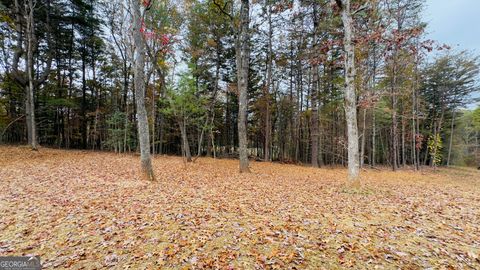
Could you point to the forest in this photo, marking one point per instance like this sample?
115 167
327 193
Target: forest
409 106
269 93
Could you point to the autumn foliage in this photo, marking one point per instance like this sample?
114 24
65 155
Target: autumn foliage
80 209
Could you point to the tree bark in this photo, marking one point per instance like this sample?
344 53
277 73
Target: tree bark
143 133
451 138
414 132
83 107
268 123
374 135
314 95
404 152
30 106
186 145
394 121
350 95
362 147
26 46
415 120
242 59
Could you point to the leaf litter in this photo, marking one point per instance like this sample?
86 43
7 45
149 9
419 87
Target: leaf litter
90 210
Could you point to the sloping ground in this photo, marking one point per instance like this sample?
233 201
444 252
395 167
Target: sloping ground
87 210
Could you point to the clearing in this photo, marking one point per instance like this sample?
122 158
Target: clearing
88 210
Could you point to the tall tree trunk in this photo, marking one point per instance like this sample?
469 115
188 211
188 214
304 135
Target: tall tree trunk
314 127
83 124
154 118
362 151
451 138
30 110
125 85
212 136
98 96
212 120
297 120
185 144
417 149
26 46
71 73
374 135
268 123
350 95
414 132
438 129
415 122
372 87
394 120
314 94
143 133
404 156
242 58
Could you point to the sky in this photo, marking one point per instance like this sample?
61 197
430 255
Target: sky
455 23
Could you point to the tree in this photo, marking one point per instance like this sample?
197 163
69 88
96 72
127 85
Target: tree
242 48
350 96
290 98
142 120
186 107
315 129
29 8
447 85
402 46
268 86
476 119
27 45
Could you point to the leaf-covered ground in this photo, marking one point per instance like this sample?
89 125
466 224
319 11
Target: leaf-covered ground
88 210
